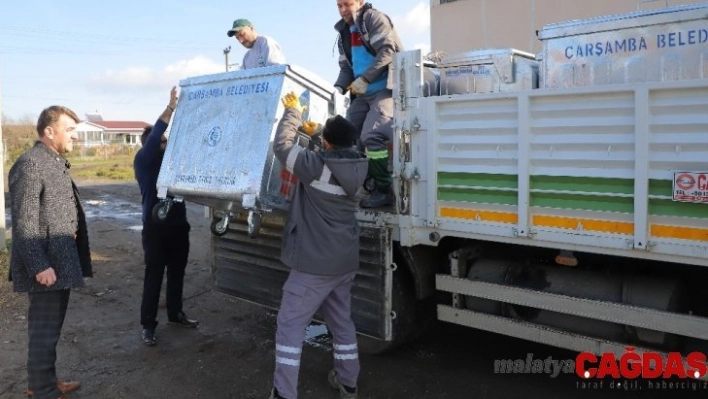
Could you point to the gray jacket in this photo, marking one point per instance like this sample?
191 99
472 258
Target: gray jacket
48 223
378 36
322 233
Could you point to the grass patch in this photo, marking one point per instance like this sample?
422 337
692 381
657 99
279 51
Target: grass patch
116 168
117 165
5 264
8 298
112 172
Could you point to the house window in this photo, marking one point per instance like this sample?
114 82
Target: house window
446 1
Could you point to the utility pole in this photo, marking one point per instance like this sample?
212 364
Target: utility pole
3 231
226 57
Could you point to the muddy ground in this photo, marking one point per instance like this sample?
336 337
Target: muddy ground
231 354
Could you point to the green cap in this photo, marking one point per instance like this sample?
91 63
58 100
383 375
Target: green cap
238 25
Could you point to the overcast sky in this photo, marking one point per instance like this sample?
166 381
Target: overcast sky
121 57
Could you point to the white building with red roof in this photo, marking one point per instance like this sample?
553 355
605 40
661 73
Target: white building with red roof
95 131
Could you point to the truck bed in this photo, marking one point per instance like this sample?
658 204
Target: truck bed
589 169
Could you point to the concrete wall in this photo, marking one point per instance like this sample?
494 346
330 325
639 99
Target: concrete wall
464 25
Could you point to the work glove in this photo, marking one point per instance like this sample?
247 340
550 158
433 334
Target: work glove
291 100
310 127
359 86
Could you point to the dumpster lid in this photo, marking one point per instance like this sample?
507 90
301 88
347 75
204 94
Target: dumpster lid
485 56
288 69
623 21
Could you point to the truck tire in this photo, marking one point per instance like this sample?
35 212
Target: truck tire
405 306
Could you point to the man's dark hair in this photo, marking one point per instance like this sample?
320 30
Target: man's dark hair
51 115
339 132
146 133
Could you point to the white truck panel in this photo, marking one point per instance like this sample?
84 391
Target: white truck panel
586 168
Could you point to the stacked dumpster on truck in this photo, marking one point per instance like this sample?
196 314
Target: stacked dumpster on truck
561 199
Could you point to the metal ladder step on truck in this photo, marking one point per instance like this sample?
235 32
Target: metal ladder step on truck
559 198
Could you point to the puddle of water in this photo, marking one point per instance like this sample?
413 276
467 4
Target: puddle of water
107 208
317 335
104 209
136 228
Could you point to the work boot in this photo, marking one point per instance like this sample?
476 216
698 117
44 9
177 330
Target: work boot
274 394
379 198
345 392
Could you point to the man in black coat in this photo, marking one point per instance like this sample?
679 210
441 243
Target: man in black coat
165 243
50 248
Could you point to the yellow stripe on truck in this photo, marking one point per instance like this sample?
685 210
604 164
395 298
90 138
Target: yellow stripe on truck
596 225
678 232
605 226
626 228
480 215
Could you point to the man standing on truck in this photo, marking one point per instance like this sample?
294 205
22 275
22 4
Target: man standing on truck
262 50
367 42
321 246
166 242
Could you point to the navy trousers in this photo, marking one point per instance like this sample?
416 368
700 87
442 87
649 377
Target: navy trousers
166 248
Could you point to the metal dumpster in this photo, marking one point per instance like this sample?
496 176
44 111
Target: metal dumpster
220 152
488 71
647 46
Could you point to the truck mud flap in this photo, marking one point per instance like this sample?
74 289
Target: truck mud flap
250 269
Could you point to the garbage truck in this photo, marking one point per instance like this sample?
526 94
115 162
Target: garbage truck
560 198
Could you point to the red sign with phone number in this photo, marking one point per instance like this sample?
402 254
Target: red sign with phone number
690 187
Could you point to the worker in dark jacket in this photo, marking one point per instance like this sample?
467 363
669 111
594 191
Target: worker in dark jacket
50 248
165 243
321 246
367 43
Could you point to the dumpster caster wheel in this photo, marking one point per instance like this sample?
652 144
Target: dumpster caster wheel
219 227
160 210
254 223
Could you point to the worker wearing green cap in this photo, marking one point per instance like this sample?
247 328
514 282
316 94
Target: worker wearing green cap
262 50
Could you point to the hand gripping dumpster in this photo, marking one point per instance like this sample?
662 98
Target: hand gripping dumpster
220 148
